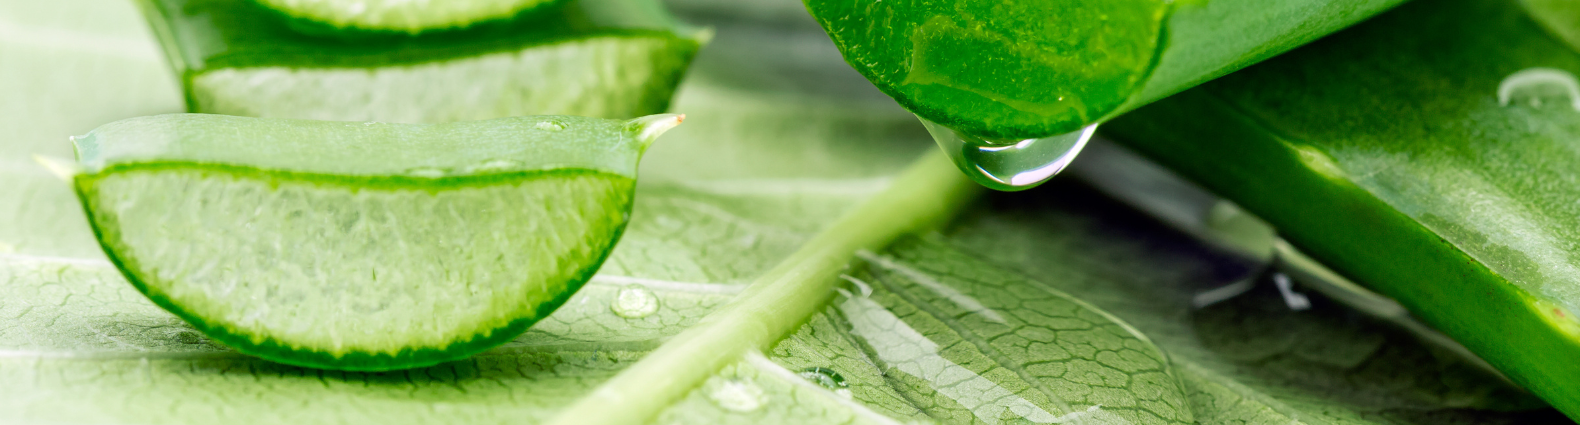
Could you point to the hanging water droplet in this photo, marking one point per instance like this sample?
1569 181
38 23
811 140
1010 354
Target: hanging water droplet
827 378
736 395
634 302
1538 87
1009 165
497 165
427 172
551 126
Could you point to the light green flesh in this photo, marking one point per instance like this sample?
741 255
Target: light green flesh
401 15
608 76
338 269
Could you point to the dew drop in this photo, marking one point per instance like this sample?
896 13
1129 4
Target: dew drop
551 126
1009 165
827 378
736 395
497 165
427 172
634 302
1539 87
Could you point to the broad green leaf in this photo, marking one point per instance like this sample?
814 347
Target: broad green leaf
1433 167
1034 69
1011 318
1247 360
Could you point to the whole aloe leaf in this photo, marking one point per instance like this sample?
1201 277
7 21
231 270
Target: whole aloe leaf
1017 70
724 200
1438 177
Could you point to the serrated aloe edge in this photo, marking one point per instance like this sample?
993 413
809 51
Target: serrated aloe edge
925 195
1042 68
1437 167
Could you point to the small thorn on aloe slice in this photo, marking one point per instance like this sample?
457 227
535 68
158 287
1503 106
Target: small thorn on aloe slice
64 169
648 128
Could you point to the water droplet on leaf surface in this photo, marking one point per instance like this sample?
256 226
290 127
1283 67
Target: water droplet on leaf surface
1009 165
1540 87
827 378
736 395
634 302
550 126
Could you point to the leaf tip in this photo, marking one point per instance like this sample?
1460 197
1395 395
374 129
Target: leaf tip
648 128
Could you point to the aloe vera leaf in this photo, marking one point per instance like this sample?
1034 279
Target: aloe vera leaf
611 59
1036 69
1399 165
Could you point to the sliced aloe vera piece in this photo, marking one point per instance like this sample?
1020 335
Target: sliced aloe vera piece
1437 168
597 58
402 15
1041 68
361 246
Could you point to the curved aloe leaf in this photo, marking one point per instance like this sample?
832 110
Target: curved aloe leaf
1040 68
1437 178
599 58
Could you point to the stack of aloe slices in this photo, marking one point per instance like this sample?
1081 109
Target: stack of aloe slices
598 58
1442 180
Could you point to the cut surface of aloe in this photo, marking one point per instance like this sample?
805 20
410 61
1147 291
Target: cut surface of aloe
361 246
402 15
1441 178
1040 68
598 58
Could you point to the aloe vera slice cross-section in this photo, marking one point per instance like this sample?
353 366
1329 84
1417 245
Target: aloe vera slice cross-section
1016 70
361 246
402 15
1437 168
597 58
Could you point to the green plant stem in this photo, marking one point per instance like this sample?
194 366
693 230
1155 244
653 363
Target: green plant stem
927 194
